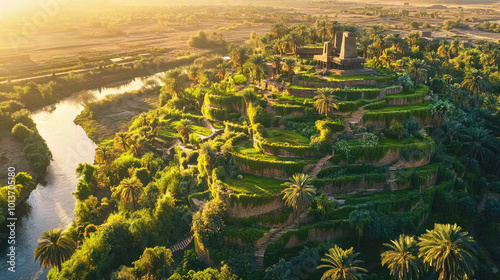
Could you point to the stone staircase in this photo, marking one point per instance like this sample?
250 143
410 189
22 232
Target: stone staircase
354 118
319 165
178 247
260 251
393 170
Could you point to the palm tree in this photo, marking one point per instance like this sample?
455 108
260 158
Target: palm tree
54 248
439 111
279 29
258 66
184 128
302 31
137 143
121 141
288 66
102 154
413 39
480 143
193 73
402 258
451 252
239 56
474 83
417 69
434 60
443 49
448 78
276 62
322 29
174 83
454 48
375 31
129 190
333 28
299 192
342 265
325 101
387 57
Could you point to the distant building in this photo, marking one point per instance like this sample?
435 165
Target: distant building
425 33
121 59
145 55
342 58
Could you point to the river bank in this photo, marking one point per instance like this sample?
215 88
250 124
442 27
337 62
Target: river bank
51 204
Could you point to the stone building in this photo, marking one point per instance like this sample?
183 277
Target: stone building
341 58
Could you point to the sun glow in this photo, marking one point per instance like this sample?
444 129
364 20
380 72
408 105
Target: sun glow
9 8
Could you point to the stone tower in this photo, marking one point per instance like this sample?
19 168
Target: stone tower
349 48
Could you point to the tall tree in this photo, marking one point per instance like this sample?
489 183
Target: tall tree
129 191
288 66
276 62
451 252
121 141
239 55
299 192
54 248
413 40
258 66
184 128
402 258
174 83
474 83
342 265
103 154
417 70
480 143
334 27
326 101
439 111
322 29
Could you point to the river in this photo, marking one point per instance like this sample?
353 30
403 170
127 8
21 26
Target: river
52 204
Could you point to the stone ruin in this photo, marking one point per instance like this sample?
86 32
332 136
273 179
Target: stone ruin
341 58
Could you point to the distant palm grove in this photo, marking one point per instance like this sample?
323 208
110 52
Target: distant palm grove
264 166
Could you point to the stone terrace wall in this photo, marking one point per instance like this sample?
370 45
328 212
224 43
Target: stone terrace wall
269 172
352 187
335 84
310 93
284 153
382 124
431 180
241 212
388 91
319 235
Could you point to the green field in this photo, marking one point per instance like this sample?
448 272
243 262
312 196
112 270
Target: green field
286 136
251 184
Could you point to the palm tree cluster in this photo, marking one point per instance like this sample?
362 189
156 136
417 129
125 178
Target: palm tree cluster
445 250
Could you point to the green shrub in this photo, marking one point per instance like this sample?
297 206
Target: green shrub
422 113
277 148
248 235
240 79
261 165
349 106
376 105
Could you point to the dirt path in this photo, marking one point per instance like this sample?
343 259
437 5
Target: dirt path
319 165
354 118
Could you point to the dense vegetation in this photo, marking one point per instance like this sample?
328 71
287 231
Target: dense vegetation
407 173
